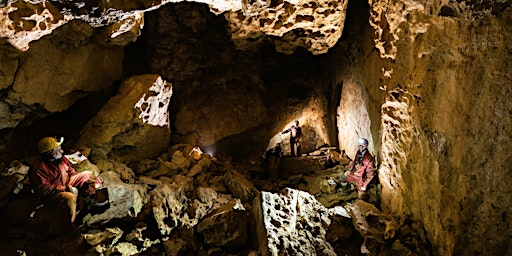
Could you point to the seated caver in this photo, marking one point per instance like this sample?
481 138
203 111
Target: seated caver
56 182
360 169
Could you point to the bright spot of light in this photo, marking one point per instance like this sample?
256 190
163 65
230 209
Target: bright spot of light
210 150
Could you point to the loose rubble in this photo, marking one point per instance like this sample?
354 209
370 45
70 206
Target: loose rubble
184 203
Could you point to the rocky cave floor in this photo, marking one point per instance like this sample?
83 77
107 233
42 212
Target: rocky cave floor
188 203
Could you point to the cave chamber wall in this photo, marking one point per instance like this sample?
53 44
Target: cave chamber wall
228 100
437 89
430 93
55 86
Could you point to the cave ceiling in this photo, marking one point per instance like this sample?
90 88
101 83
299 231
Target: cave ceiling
315 25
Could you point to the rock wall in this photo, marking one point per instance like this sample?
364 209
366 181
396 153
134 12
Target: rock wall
223 93
226 97
314 25
429 82
438 87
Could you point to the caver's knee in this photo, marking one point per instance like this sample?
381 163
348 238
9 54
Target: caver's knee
67 196
67 199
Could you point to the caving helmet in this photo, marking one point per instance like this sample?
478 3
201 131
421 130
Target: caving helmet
48 143
363 141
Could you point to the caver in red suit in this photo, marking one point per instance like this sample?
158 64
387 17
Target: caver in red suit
55 181
361 168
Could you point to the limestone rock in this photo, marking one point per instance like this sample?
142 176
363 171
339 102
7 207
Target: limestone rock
124 172
7 117
180 160
215 182
195 170
240 186
175 247
13 179
103 240
149 181
203 164
314 25
86 165
377 228
137 233
361 212
27 21
295 223
341 233
165 168
9 67
173 209
185 183
124 200
205 161
225 227
124 31
147 165
125 248
206 194
421 80
124 132
68 71
168 206
7 184
303 165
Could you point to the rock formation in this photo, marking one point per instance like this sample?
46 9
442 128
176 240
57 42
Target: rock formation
133 125
426 82
217 210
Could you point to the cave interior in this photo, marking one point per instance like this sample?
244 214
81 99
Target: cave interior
409 77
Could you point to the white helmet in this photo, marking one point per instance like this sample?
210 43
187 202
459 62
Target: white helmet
362 141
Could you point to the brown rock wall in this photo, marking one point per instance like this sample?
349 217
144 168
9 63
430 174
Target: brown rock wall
444 124
24 22
428 84
58 78
223 94
314 25
57 71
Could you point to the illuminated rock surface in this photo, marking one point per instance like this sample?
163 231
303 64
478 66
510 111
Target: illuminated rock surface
427 82
133 125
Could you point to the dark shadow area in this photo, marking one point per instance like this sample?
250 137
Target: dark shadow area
67 124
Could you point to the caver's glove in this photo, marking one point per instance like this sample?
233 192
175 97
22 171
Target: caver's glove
92 185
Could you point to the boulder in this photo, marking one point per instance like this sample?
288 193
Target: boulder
124 200
227 226
295 224
133 125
